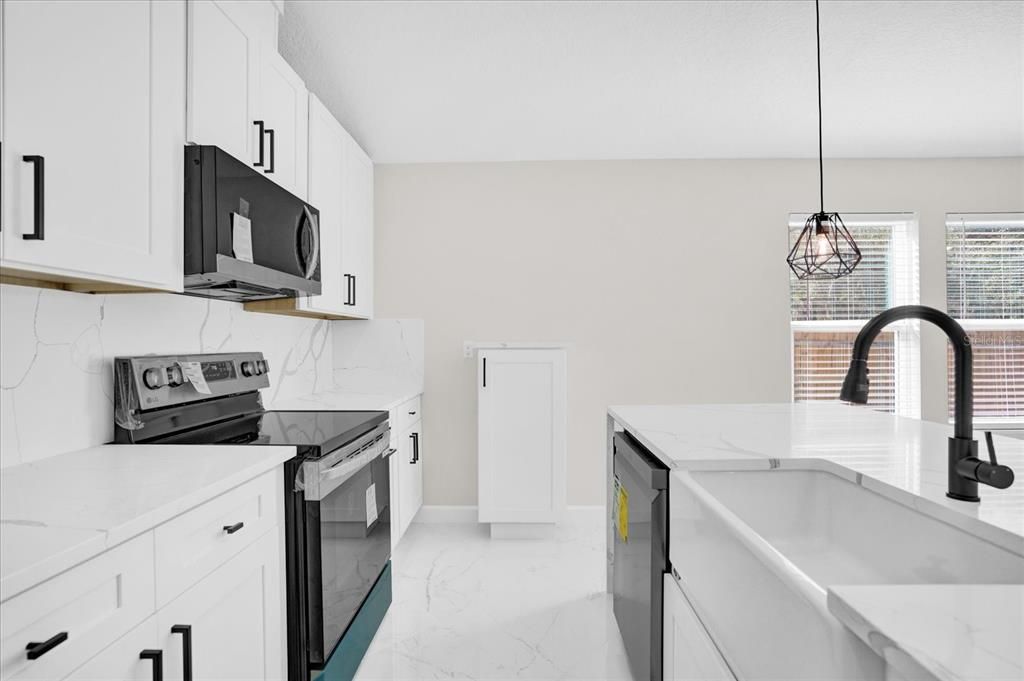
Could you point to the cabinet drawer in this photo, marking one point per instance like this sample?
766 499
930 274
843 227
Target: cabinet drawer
195 543
408 413
94 603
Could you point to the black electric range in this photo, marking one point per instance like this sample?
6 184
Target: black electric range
336 489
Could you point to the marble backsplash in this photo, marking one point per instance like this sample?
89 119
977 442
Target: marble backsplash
57 350
379 356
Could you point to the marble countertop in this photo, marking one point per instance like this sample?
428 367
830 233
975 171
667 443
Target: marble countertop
900 458
903 459
60 511
938 631
342 400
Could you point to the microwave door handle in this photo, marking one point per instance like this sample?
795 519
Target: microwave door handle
314 257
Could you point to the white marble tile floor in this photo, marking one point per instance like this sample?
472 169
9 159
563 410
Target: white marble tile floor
468 607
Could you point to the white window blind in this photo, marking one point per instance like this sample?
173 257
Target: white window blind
985 292
827 314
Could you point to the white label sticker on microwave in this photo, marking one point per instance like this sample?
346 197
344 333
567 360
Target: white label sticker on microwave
241 237
371 505
193 372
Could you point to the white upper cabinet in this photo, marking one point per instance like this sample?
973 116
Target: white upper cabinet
242 96
284 107
340 186
93 125
326 162
357 231
223 78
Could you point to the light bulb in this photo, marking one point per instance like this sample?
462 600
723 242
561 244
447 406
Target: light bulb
823 249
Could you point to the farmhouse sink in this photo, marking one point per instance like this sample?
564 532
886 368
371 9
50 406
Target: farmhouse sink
756 551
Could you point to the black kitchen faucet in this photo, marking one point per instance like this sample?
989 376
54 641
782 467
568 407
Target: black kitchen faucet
966 470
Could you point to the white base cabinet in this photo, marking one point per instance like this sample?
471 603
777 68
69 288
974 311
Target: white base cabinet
522 436
688 654
232 610
93 130
236 619
407 466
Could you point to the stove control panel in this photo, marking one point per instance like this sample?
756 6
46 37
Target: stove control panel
166 380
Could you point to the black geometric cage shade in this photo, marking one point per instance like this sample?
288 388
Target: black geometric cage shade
824 250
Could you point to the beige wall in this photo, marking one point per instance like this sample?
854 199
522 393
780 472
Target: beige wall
668 277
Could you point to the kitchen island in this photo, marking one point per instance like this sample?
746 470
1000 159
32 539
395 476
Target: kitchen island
828 464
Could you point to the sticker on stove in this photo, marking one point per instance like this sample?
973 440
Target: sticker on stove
193 373
371 505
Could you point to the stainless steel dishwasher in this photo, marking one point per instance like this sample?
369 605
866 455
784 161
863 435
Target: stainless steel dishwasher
640 518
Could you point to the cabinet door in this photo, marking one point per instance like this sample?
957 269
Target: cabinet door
357 231
410 484
689 653
223 79
103 110
121 660
236 615
522 412
284 106
326 161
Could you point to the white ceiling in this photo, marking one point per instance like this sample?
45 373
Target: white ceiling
499 81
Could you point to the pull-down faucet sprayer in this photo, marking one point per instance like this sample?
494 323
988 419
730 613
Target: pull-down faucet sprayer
966 470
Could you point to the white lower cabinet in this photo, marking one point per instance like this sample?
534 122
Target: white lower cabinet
67 619
410 475
236 620
689 653
93 622
406 466
124 660
522 435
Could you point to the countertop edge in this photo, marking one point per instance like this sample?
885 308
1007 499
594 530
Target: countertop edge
13 584
912 664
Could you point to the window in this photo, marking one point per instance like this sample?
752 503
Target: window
985 293
826 316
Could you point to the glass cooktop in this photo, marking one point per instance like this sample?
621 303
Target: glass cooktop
323 431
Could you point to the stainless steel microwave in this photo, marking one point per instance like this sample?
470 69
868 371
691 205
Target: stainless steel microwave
246 237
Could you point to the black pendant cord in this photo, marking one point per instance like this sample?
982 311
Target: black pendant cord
821 162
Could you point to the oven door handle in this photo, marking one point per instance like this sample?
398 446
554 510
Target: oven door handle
331 479
387 454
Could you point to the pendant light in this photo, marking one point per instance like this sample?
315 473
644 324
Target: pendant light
824 249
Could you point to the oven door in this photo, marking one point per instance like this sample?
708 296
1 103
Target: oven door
348 542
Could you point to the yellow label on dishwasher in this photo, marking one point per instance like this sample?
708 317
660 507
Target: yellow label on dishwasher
622 506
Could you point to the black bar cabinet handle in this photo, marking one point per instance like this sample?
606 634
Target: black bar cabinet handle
157 656
415 447
349 290
354 296
485 372
38 197
259 124
186 649
270 134
37 649
231 529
